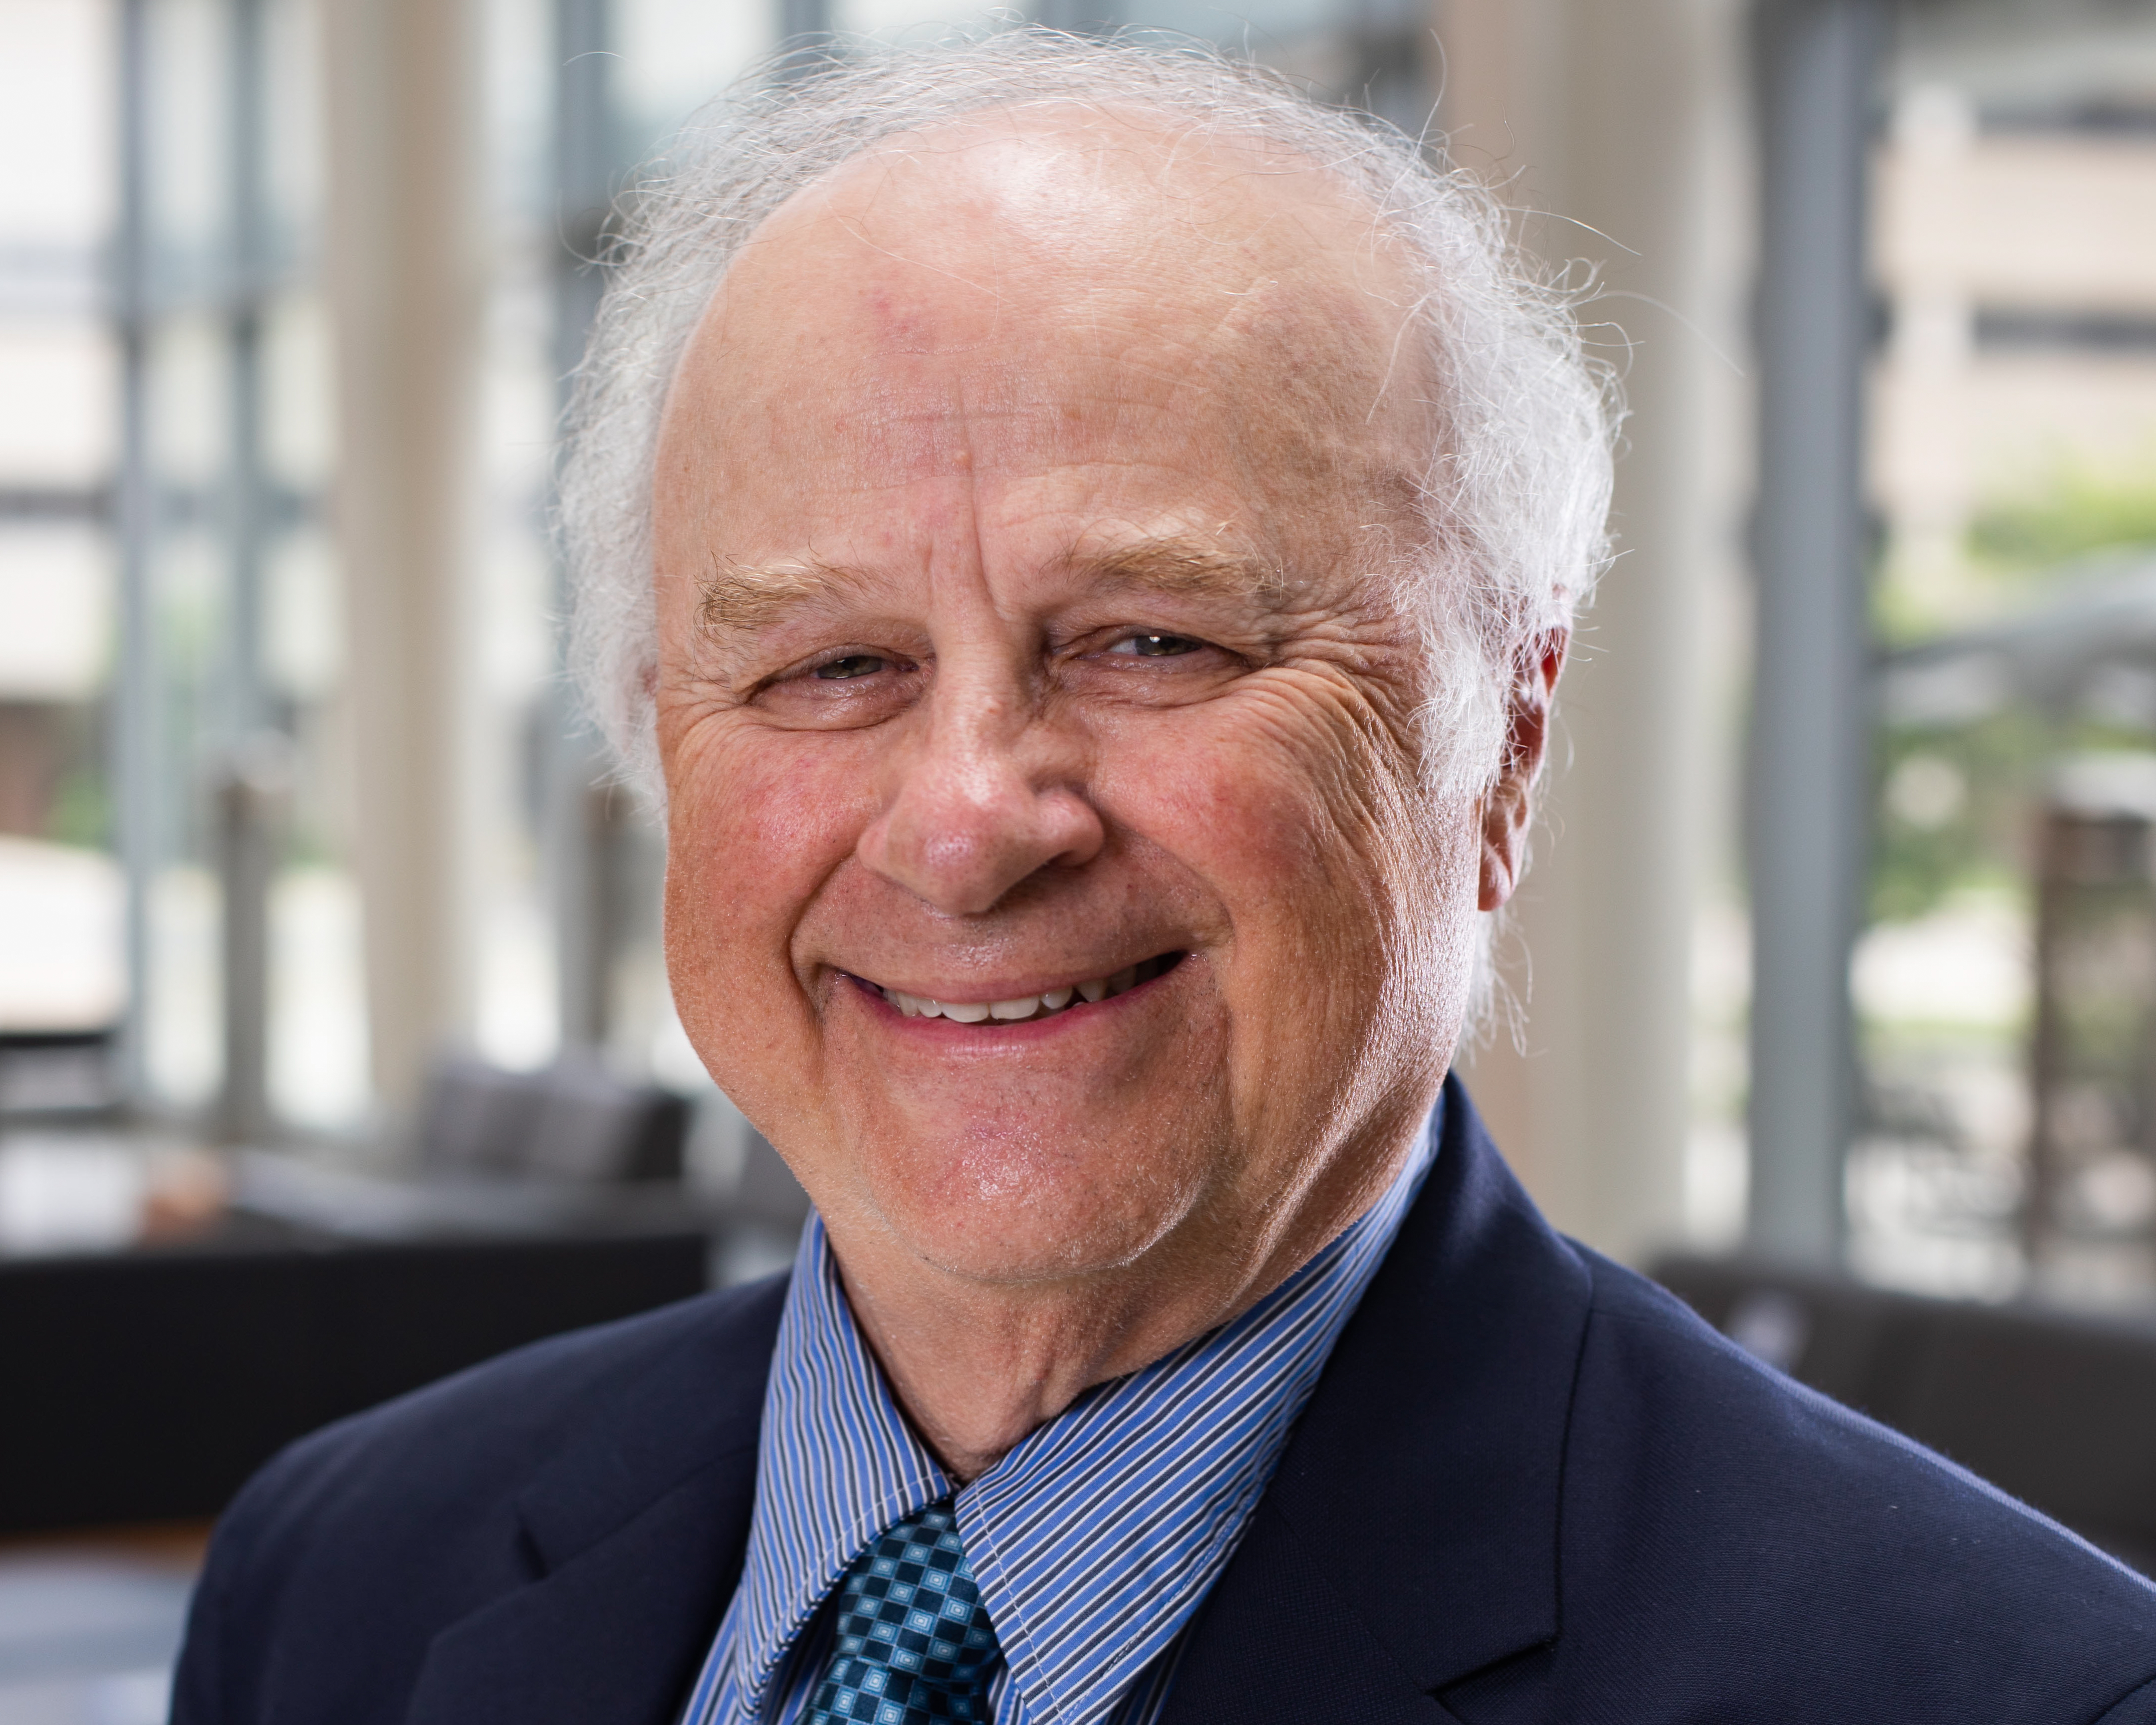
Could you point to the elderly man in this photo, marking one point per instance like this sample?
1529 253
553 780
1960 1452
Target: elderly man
1086 540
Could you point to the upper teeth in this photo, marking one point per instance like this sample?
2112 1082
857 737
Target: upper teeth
1026 1006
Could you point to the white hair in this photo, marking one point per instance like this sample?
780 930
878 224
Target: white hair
1516 490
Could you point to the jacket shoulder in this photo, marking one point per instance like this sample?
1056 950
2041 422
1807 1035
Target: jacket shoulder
1718 1516
412 1516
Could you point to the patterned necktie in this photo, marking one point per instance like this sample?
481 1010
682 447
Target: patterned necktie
914 1642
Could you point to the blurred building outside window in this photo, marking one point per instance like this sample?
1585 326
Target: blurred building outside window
2012 465
60 895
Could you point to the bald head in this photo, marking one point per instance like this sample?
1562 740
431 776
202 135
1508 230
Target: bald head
955 300
1083 226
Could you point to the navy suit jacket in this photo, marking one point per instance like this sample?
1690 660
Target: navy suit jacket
1529 1486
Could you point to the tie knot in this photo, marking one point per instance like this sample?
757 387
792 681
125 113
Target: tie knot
913 1643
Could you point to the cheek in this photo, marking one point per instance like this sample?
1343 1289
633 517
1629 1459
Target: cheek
756 822
1290 816
1334 976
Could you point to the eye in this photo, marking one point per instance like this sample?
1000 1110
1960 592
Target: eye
853 664
1153 646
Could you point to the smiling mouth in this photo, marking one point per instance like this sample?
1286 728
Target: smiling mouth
1028 1006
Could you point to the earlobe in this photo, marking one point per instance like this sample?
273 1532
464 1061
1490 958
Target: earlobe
1497 885
1509 804
1504 829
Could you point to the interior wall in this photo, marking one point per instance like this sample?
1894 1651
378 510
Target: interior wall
1621 125
407 286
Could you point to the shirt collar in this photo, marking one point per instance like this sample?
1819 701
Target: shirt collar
1096 1539
837 1464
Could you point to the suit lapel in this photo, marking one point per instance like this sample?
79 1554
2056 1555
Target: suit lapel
1410 1537
637 1532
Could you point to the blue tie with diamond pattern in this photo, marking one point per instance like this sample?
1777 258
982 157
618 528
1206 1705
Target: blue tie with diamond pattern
913 1642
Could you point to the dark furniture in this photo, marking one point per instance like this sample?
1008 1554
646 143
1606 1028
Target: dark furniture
571 1121
2057 1409
146 1385
56 1075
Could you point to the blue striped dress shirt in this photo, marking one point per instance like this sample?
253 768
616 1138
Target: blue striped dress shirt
1093 1541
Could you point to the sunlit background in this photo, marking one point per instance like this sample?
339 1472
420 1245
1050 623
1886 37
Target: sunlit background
178 613
302 844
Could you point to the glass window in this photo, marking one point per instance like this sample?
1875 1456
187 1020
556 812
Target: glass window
60 893
227 579
2012 467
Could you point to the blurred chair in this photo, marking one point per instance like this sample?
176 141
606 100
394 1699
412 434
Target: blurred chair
56 1074
2091 1196
572 1121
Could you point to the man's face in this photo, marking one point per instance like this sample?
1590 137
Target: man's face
1025 508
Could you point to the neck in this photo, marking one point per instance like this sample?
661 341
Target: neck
977 1366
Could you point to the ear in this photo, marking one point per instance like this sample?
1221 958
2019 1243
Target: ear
1508 805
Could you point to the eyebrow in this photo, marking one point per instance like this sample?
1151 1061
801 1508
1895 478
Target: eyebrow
1185 567
745 598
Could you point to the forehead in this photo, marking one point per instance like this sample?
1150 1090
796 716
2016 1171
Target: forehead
1073 299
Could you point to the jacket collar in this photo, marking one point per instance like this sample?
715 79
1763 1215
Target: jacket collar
1410 1537
635 1535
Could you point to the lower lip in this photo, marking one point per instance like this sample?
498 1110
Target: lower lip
991 1031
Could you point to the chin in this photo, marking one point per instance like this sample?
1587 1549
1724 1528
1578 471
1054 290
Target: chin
1023 1205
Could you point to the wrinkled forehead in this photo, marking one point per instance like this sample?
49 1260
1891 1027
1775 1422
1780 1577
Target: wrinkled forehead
1042 240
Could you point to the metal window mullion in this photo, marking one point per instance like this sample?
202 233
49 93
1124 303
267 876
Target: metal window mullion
246 277
1811 712
803 22
135 691
586 164
245 798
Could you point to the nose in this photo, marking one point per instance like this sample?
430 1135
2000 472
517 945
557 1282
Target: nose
989 798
